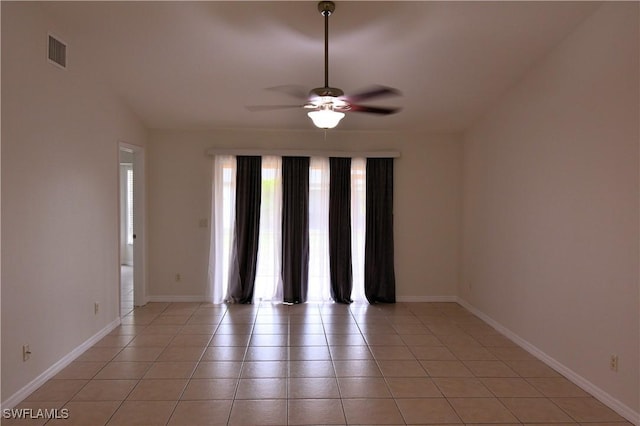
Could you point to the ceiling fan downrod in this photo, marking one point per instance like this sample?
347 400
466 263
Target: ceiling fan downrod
326 8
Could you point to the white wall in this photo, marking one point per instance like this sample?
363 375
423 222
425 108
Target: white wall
60 133
550 211
427 204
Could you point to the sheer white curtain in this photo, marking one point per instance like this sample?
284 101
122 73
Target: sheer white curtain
268 285
358 225
319 273
223 201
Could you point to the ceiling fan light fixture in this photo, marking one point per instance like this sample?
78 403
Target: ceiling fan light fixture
325 118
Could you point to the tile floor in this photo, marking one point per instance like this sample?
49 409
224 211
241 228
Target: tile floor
126 289
408 363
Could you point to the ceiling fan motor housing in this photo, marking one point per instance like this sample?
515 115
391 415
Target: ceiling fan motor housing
326 91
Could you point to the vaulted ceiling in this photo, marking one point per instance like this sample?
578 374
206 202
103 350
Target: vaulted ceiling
197 65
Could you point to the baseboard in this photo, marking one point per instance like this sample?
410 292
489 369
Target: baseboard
27 390
176 299
453 299
604 397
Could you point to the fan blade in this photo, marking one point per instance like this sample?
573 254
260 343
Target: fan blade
374 92
374 110
293 90
254 108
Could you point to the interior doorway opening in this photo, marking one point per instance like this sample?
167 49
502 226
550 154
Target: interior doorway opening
127 235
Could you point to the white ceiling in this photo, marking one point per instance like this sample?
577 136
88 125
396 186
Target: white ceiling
196 65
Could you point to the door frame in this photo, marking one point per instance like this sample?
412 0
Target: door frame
139 224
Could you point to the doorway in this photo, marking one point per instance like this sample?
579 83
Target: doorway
131 228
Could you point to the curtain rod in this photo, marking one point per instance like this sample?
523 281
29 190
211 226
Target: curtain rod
302 153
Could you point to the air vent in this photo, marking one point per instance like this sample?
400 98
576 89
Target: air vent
57 52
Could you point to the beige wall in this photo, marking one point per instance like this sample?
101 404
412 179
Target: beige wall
551 197
60 134
427 203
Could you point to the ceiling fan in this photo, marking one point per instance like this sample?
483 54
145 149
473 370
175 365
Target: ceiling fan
327 104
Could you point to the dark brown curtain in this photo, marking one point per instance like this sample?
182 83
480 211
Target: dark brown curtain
295 228
379 273
340 229
244 249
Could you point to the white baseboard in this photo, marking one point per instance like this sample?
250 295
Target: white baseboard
27 390
604 397
453 299
176 299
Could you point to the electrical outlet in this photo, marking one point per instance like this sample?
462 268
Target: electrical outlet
203 223
613 363
96 308
26 353
178 278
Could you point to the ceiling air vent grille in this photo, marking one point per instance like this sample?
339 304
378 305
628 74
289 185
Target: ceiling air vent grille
57 52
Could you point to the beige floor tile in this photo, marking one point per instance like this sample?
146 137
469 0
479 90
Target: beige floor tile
199 389
401 368
311 369
346 340
272 388
345 353
229 339
151 340
217 370
481 410
123 370
181 353
511 353
57 390
105 390
257 369
446 369
118 341
171 320
372 411
383 339
199 340
259 412
94 353
490 369
203 329
309 353
432 353
532 368
427 411
356 368
587 410
171 370
87 413
412 387
201 413
80 370
462 387
313 387
510 386
267 353
391 353
223 353
536 410
138 354
160 329
556 387
158 390
142 413
363 387
315 411
472 353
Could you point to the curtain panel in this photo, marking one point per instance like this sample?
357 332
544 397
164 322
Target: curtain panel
244 249
340 230
379 272
295 228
